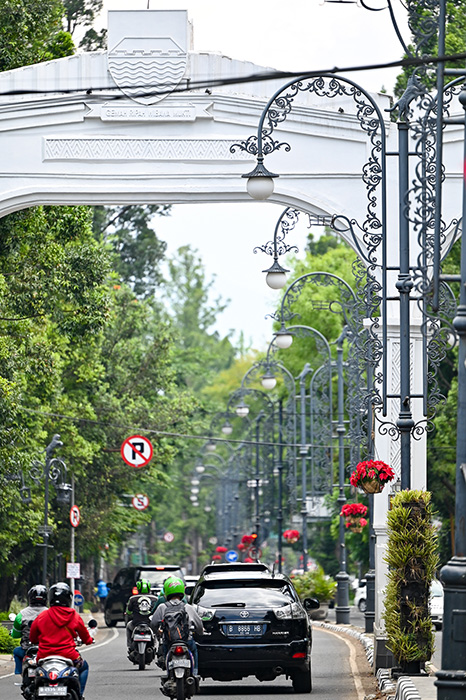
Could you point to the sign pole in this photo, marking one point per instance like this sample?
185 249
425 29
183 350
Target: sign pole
72 539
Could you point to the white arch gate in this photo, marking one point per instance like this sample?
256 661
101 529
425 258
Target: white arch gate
89 129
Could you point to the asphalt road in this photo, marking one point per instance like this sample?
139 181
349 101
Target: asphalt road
339 670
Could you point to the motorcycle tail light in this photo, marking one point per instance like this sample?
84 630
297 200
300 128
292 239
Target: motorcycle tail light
178 650
53 675
134 591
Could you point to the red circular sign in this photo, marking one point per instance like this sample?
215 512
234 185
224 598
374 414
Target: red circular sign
75 516
140 501
137 451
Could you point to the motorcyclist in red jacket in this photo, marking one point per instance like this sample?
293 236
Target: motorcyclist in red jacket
55 630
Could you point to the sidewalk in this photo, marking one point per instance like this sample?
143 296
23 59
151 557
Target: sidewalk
406 687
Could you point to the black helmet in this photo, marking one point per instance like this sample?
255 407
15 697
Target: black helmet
60 594
37 595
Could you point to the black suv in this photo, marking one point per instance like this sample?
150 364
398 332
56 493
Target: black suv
124 586
255 625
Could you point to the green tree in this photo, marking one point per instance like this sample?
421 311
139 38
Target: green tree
138 252
83 13
188 300
31 32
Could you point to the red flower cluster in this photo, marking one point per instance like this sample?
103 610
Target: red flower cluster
248 560
362 522
247 539
353 509
291 535
216 557
221 550
371 469
241 546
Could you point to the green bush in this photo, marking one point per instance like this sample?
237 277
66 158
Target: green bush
315 584
7 643
412 560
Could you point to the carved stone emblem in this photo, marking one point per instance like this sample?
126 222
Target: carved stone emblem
147 54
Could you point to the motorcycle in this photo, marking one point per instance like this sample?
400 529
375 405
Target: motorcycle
29 671
142 646
181 682
53 676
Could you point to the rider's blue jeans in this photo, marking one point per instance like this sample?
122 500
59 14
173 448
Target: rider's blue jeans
18 654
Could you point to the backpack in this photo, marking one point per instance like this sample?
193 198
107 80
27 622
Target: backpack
175 623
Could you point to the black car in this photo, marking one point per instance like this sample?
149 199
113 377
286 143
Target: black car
124 586
255 625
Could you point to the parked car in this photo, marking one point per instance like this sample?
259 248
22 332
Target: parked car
255 625
435 602
360 595
124 586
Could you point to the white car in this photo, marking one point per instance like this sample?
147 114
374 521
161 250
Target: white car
435 602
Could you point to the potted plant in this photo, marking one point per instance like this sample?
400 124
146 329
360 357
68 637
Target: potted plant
316 584
371 476
412 560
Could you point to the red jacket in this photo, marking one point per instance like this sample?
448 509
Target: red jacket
55 631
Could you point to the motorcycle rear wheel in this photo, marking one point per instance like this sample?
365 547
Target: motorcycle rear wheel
180 689
142 661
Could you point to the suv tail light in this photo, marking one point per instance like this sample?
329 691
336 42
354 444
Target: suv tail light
290 612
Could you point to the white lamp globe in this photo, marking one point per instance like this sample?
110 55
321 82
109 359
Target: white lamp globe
195 504
242 410
195 490
211 446
227 428
195 482
275 280
200 468
207 509
260 187
268 381
283 340
193 498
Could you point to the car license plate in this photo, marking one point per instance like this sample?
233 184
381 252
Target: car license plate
52 690
186 663
243 630
141 637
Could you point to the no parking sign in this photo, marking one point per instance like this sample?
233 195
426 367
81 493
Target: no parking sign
137 451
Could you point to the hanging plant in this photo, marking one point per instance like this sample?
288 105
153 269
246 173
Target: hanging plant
221 550
412 560
353 514
291 536
216 557
241 547
371 476
247 539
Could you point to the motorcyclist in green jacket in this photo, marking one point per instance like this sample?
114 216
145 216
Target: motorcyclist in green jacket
37 598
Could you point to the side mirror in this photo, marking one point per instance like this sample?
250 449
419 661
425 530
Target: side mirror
311 603
92 624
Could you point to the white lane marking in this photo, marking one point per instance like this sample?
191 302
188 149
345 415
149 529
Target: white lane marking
93 646
100 644
352 661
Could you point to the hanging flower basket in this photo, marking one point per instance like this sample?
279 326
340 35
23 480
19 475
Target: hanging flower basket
240 547
371 476
291 536
216 557
221 550
247 540
355 524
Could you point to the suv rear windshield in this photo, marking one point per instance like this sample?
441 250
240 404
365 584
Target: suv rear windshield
244 595
158 577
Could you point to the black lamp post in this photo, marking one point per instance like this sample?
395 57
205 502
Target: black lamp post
50 471
342 609
451 679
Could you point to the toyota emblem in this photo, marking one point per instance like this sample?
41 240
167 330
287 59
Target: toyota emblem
244 613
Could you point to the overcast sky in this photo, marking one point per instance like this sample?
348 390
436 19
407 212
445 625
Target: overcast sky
297 35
